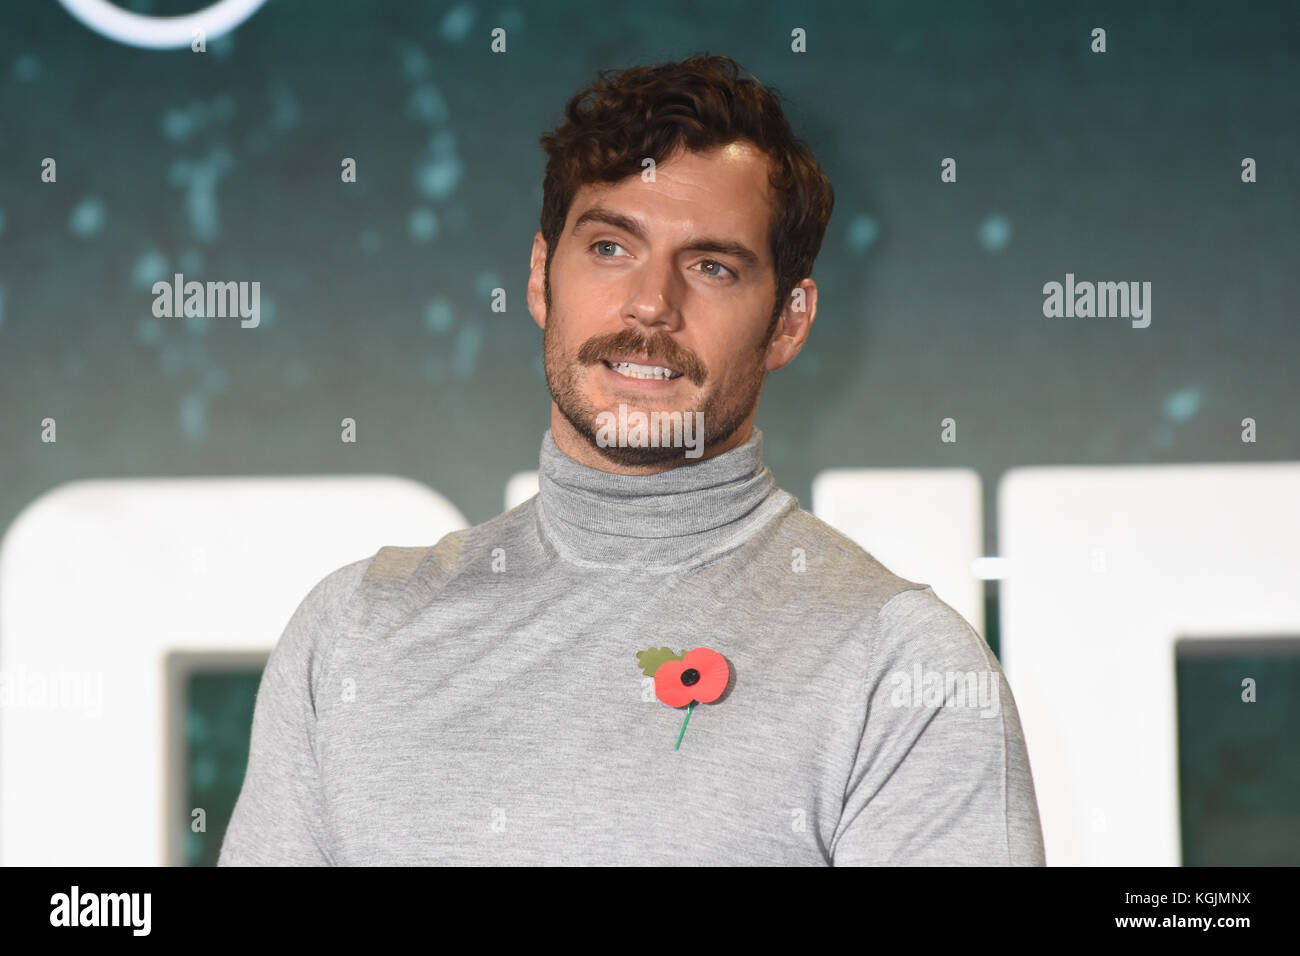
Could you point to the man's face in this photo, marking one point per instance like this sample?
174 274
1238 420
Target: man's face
675 273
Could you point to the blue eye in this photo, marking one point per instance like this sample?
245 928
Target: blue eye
724 274
716 275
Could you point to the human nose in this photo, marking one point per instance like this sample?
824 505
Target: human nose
653 299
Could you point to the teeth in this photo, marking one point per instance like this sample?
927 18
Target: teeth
632 370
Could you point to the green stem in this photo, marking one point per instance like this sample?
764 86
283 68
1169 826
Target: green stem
684 723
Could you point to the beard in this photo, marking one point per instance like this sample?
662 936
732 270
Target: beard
724 411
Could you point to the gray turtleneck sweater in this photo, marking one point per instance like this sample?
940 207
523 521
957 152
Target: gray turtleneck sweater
481 701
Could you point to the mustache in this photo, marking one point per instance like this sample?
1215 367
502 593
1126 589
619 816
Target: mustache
659 348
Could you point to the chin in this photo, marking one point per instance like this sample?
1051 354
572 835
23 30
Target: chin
634 457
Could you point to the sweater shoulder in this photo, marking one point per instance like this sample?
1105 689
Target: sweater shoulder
399 578
905 618
835 567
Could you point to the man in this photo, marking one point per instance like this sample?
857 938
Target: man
492 699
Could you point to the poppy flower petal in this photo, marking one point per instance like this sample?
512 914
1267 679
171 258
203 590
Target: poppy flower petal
669 687
714 673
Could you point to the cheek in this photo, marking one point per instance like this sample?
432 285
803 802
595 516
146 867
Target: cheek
739 357
583 285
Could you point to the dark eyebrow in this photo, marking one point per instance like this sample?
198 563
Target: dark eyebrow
726 247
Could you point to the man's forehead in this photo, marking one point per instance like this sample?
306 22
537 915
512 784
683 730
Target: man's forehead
740 207
739 167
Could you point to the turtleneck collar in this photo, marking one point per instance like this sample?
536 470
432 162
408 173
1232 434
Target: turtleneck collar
670 521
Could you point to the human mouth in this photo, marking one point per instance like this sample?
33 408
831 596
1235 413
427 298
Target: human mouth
656 373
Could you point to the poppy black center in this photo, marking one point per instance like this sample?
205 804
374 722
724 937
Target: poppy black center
690 676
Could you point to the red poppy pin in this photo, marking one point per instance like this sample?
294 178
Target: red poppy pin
685 679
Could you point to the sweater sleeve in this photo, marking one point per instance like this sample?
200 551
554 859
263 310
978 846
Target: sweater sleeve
941 776
278 818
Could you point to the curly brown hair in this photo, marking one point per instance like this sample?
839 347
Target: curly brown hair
700 103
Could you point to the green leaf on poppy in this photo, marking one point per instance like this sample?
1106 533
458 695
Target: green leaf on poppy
651 658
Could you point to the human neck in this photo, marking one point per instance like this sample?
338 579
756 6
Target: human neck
666 521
